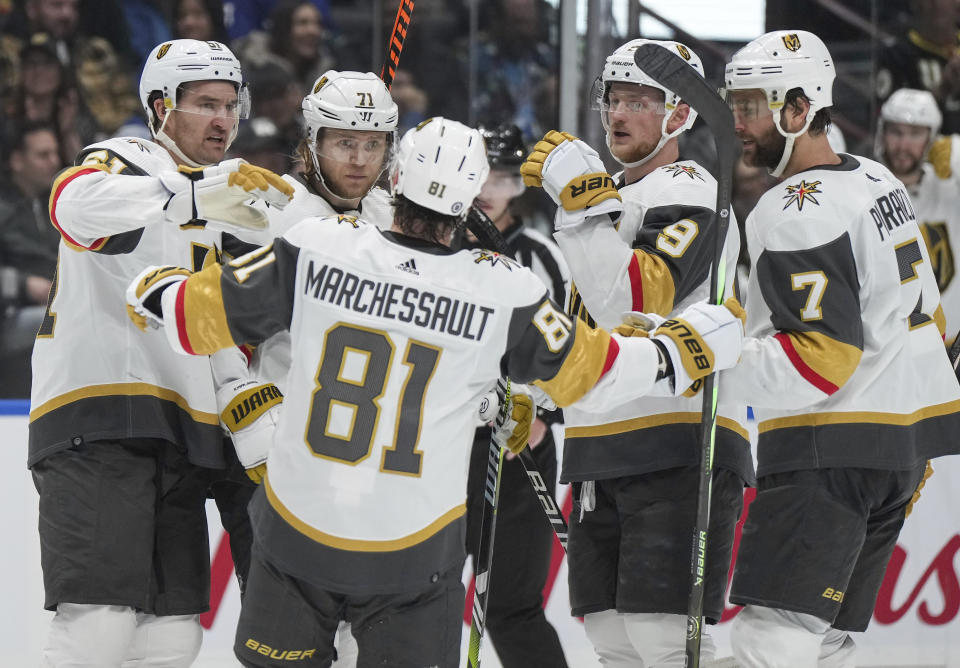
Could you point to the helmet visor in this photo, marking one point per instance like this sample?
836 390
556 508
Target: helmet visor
234 107
747 105
355 147
627 100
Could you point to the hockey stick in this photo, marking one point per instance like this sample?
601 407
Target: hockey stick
487 234
675 74
397 36
482 566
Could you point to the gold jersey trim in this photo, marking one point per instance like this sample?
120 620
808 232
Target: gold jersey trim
353 544
123 390
204 315
581 368
648 422
860 417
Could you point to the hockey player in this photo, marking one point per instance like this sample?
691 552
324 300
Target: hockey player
124 435
635 467
906 132
515 621
350 122
395 337
844 365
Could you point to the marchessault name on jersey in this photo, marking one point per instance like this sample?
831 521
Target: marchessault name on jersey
395 301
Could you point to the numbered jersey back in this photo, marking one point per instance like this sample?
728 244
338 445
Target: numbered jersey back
392 346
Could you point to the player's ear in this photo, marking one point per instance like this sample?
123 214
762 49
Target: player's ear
159 109
795 114
678 117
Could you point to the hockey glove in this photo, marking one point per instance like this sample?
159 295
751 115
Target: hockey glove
511 428
249 410
702 339
223 195
574 176
143 294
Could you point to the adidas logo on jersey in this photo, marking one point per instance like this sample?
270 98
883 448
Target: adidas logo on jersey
410 266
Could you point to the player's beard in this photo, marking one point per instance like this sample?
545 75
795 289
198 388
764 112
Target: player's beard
634 153
902 163
769 149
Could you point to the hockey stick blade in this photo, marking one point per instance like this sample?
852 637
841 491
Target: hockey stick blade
398 35
675 74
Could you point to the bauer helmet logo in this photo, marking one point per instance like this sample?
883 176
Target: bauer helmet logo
163 50
791 41
683 51
320 84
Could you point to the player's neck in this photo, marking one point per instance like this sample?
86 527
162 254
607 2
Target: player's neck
810 151
667 154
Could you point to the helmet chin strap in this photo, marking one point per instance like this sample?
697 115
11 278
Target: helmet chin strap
790 137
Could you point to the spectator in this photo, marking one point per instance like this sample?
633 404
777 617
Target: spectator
28 249
926 57
147 24
199 19
296 41
46 92
245 16
276 96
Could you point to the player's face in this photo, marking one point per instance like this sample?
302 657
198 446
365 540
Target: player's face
634 119
753 122
351 160
903 146
204 120
501 186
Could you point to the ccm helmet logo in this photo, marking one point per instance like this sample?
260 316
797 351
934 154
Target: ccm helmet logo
791 41
163 50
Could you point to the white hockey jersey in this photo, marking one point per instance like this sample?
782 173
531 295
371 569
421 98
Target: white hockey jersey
95 375
937 203
394 341
271 360
844 362
656 259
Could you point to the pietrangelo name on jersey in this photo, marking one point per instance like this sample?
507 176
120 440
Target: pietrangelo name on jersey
892 210
394 301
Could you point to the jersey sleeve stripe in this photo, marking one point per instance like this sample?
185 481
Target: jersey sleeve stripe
202 313
612 353
66 177
583 366
636 283
653 287
181 322
794 355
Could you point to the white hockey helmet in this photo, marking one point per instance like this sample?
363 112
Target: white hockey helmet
349 101
621 67
441 165
910 107
778 62
181 61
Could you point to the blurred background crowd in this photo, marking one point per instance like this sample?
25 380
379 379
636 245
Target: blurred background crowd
69 71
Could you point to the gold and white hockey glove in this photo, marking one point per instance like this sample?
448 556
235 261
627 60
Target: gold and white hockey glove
575 178
223 195
511 425
144 294
702 339
249 410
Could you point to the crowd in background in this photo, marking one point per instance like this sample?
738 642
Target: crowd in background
68 73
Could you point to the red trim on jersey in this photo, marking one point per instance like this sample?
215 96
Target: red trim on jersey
636 282
809 374
612 351
98 243
181 320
